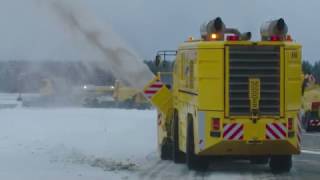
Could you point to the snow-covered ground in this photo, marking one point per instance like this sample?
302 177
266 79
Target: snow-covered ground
84 144
67 144
106 144
8 101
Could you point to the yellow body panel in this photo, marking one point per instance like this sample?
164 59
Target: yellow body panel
293 71
210 76
200 90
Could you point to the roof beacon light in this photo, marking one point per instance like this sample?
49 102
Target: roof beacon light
214 36
233 38
289 38
275 38
190 39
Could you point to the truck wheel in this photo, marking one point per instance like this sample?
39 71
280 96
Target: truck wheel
177 155
259 160
280 163
194 162
166 150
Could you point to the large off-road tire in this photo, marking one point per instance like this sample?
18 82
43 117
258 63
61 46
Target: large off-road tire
177 155
193 161
166 149
280 163
259 160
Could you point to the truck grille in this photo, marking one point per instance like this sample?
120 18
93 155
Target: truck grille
261 62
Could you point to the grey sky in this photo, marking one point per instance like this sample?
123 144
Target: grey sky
27 31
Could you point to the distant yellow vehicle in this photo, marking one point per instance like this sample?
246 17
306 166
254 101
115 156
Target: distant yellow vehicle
129 97
231 97
311 105
117 95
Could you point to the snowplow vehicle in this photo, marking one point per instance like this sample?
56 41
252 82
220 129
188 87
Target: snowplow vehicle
310 104
115 96
231 97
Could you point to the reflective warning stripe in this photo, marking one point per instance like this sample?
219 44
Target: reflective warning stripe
148 92
233 131
153 89
276 131
157 85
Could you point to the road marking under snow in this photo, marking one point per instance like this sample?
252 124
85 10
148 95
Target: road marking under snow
311 152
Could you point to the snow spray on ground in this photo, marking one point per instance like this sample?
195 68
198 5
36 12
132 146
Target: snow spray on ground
116 57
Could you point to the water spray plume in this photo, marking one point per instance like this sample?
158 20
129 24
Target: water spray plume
116 56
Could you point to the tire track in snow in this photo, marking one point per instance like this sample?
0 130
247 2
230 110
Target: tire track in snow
199 175
189 174
167 170
153 168
161 171
157 169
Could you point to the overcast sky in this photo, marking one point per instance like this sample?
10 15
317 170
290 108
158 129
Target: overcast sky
28 32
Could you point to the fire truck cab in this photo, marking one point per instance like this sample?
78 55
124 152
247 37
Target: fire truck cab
231 97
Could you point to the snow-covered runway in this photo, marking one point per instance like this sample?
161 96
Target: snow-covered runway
107 144
74 143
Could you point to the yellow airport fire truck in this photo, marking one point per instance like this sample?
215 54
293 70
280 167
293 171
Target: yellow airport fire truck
230 96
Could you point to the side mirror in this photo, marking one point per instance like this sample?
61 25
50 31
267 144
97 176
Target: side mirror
157 60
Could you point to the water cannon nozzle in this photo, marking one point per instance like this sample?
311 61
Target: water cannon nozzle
218 24
281 24
276 28
246 36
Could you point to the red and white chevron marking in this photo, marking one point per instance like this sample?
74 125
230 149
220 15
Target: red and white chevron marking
314 123
153 89
276 131
233 131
